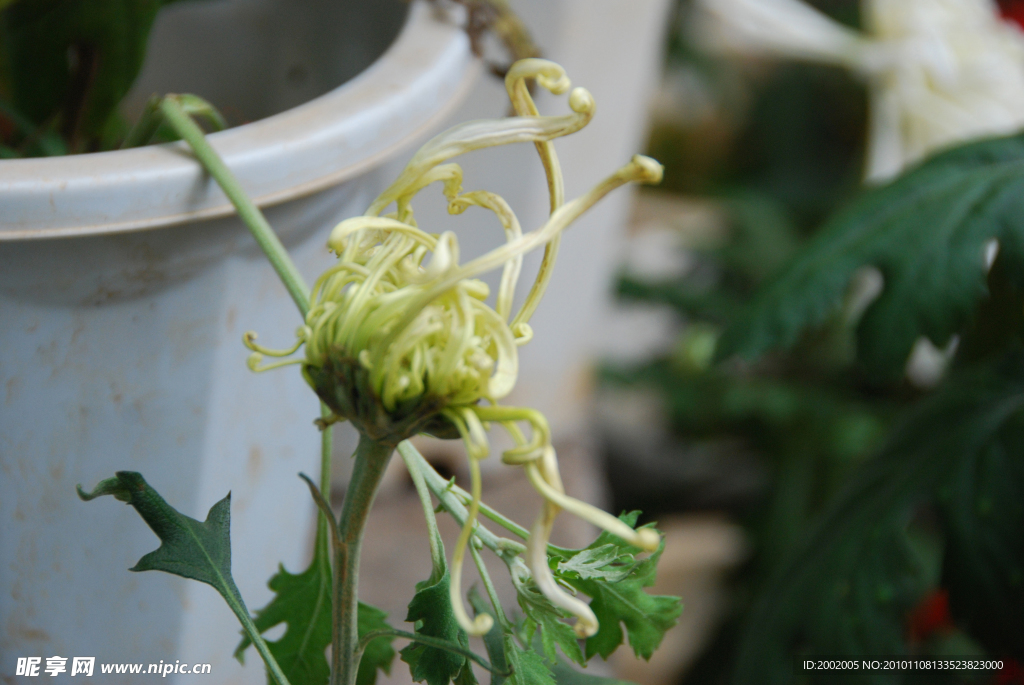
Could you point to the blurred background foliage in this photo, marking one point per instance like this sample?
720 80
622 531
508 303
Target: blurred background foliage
860 497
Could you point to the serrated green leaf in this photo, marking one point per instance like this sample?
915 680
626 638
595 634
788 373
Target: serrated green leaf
926 232
303 602
528 668
188 548
542 615
646 617
848 587
606 562
431 611
624 601
379 653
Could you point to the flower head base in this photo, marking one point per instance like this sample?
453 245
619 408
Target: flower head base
941 72
400 340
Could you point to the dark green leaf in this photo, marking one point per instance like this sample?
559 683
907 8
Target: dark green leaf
74 60
188 548
494 640
303 602
466 676
379 653
567 675
982 508
926 232
847 588
528 668
431 611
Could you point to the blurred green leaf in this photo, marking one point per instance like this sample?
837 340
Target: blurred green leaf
927 233
848 587
528 668
70 62
982 507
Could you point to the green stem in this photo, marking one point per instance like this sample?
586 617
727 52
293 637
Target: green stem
436 549
440 489
431 642
248 212
453 499
371 459
489 587
254 634
325 482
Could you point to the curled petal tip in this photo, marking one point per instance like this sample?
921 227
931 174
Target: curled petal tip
649 169
648 539
481 625
585 628
554 86
581 101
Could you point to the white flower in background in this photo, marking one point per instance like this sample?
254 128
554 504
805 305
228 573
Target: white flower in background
941 72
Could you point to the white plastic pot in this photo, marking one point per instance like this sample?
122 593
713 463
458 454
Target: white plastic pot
125 288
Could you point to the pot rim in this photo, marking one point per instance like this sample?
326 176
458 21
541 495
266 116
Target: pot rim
403 95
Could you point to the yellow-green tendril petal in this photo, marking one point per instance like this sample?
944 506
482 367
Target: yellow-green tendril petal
400 339
258 352
537 559
645 538
475 437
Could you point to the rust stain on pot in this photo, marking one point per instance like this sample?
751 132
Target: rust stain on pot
13 385
22 633
255 463
57 471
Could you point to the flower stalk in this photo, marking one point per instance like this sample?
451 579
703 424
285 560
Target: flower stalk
398 338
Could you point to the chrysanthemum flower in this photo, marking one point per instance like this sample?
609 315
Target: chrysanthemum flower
400 339
941 72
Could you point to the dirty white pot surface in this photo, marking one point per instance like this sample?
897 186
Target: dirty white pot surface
125 287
